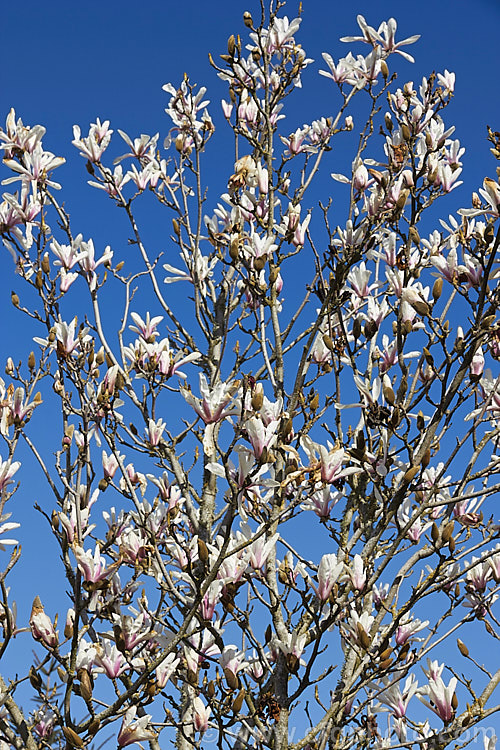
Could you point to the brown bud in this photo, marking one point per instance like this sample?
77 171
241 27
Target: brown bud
447 532
238 701
437 289
454 702
420 421
260 262
286 426
489 233
231 679
407 326
386 653
176 227
314 402
404 651
85 685
371 329
257 398
435 533
414 235
452 545
35 679
384 69
328 342
388 122
293 663
363 636
31 361
401 201
389 395
247 19
211 689
119 266
426 459
46 263
202 551
54 520
356 328
103 485
231 45
487 321
14 299
405 132
94 727
411 474
72 738
462 648
385 663
273 275
39 280
268 634
192 677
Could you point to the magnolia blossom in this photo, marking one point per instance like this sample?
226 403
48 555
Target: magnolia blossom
42 628
261 437
329 571
260 549
216 402
133 730
88 264
44 721
357 573
407 628
397 699
110 660
7 470
440 697
201 715
233 659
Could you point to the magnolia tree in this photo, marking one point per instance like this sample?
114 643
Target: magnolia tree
272 480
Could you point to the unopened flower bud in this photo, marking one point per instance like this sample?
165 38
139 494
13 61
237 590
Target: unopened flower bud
247 19
437 289
257 397
9 366
476 200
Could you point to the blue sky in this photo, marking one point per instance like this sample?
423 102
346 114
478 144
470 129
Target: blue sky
65 63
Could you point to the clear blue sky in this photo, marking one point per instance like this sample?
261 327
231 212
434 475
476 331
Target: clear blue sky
65 63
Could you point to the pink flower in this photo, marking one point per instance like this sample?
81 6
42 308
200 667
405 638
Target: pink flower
111 660
211 599
7 471
407 628
261 437
440 697
233 659
41 626
357 573
133 730
200 715
216 402
166 669
328 572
